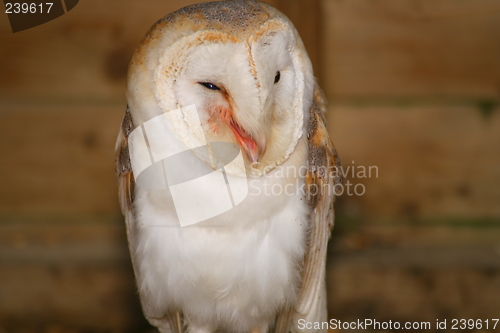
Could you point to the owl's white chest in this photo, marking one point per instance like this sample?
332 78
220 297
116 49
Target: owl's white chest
237 273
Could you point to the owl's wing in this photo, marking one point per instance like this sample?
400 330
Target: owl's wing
323 174
171 322
126 183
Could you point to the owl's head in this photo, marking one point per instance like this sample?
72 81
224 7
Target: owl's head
241 63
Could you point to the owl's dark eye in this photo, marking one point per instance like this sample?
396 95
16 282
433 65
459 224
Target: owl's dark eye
277 77
209 85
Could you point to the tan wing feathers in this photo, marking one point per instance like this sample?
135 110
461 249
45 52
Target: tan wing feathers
126 182
323 174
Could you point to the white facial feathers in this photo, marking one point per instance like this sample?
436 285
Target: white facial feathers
266 118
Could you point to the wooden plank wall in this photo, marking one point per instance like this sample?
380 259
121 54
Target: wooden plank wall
421 49
413 89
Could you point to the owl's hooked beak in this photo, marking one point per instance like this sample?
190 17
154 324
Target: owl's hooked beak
253 148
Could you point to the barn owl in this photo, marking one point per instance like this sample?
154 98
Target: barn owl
232 72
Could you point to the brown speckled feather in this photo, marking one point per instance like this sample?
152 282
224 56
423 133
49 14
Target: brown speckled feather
123 166
323 174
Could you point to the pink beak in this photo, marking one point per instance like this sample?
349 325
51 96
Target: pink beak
250 146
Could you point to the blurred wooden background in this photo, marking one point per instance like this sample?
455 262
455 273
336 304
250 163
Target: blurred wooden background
413 89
